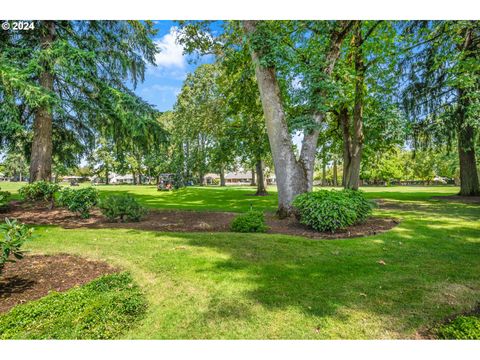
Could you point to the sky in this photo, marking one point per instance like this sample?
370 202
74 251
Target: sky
163 82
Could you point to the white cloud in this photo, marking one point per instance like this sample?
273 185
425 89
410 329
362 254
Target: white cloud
171 53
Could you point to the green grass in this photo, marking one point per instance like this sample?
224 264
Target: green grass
239 198
268 286
102 309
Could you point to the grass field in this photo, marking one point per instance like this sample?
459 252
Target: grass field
266 286
239 198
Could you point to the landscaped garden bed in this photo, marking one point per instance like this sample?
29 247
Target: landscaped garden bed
36 276
187 221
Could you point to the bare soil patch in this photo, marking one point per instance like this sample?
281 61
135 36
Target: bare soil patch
187 221
35 276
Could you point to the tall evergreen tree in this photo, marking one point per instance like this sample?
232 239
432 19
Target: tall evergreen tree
73 77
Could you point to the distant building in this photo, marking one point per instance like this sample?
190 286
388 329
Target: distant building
236 178
121 179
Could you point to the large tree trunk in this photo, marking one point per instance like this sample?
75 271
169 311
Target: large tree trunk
107 173
469 183
201 179
41 156
293 177
253 183
222 176
353 143
261 190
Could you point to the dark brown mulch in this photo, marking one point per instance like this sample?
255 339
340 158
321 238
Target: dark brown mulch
187 221
458 198
36 275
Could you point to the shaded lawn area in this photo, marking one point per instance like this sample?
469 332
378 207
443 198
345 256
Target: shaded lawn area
262 286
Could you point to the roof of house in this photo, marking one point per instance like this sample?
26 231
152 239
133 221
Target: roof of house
124 177
238 175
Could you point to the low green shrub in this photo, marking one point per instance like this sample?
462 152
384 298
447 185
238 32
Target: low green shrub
101 309
79 200
14 236
122 207
461 328
250 222
4 195
39 190
326 210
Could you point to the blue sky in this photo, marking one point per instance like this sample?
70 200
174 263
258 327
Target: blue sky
163 82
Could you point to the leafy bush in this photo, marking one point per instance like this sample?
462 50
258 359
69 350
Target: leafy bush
101 309
4 195
461 328
39 190
14 236
122 207
326 210
79 200
251 221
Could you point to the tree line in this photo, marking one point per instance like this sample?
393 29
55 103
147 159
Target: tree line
351 90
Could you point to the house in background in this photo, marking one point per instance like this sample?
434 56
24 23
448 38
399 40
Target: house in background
121 179
236 178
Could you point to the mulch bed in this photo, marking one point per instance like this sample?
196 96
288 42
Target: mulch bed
35 276
185 221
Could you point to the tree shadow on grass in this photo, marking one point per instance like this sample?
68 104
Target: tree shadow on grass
325 279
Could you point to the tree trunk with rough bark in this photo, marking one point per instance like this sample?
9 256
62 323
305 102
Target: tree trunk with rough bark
253 183
353 140
41 156
261 189
222 176
469 182
293 176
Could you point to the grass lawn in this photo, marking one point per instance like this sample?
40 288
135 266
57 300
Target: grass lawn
238 198
267 286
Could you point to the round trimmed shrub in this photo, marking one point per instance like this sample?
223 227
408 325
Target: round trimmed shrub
330 210
79 200
39 190
4 195
251 222
122 207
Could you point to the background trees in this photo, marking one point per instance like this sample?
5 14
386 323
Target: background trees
441 89
352 101
68 79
